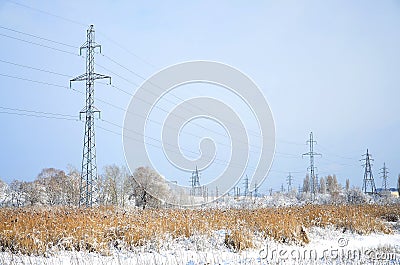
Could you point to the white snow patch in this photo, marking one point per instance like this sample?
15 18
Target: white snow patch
327 246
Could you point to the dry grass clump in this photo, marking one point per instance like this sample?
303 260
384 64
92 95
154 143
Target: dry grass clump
40 230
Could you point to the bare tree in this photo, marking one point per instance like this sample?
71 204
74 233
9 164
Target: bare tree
336 185
148 187
110 184
398 185
347 185
71 188
332 184
31 191
356 196
123 186
322 185
17 194
53 182
333 187
3 192
114 186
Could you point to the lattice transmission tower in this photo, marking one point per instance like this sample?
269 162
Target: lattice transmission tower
384 172
195 182
289 182
368 182
311 154
88 181
255 190
246 186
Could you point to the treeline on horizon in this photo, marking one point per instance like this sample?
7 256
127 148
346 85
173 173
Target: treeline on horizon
117 187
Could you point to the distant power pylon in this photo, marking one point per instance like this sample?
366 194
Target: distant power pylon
384 173
289 182
195 181
255 190
312 168
368 182
246 186
236 192
88 182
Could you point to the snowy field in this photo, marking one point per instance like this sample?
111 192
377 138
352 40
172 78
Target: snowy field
336 234
327 246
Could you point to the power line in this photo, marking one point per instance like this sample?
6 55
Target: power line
123 78
65 117
171 113
109 58
114 61
257 134
38 44
59 86
124 91
126 68
48 13
37 116
101 100
149 137
254 133
289 142
40 38
223 162
105 102
164 110
281 171
34 68
125 110
117 88
33 81
172 94
128 51
150 103
215 160
51 84
38 112
84 25
333 154
168 112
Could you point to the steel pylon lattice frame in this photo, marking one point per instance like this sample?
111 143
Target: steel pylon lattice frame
368 181
195 182
384 172
246 186
88 181
289 182
312 168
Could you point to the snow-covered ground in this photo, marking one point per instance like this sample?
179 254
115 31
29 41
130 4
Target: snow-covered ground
327 246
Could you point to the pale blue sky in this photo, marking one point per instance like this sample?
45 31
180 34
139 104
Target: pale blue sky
327 66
